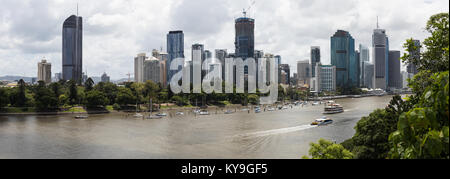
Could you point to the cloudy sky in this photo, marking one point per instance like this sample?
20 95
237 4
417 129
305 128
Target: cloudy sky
116 30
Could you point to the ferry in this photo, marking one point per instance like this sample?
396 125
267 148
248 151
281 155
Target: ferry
81 117
322 121
333 108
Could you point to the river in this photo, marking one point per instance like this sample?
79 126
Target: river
269 135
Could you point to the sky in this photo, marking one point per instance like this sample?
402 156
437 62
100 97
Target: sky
115 31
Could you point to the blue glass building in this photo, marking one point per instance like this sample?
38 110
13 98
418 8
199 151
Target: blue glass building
175 49
72 49
344 58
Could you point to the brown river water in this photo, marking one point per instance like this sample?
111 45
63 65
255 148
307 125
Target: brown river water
282 134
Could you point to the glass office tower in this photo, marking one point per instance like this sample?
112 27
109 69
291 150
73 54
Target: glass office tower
175 49
72 49
343 57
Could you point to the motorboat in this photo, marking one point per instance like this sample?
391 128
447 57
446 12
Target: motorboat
229 112
81 117
154 117
203 112
161 114
138 115
271 109
322 121
180 113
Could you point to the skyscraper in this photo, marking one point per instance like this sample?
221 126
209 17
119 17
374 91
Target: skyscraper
284 68
44 71
369 76
304 73
152 70
245 37
395 78
344 58
364 58
139 67
380 57
325 79
175 49
105 78
221 54
315 58
72 49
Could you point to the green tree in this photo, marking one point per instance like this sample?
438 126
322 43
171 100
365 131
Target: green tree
125 96
96 98
435 57
73 92
4 97
423 132
89 85
20 99
109 89
328 150
44 98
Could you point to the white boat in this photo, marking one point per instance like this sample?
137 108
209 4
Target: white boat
154 117
204 112
285 107
161 114
271 109
81 117
258 110
229 112
138 115
180 113
333 108
322 121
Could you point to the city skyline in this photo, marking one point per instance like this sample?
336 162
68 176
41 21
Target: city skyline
110 47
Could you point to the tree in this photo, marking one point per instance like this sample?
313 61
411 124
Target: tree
89 85
328 150
20 98
44 98
125 96
4 97
109 89
96 98
435 58
423 132
73 93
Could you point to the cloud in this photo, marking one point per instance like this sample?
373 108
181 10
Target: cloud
116 30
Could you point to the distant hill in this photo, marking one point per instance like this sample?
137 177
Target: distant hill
15 78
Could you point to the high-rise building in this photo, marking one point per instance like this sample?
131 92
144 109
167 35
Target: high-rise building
163 63
394 67
152 70
358 67
344 58
315 58
175 49
369 75
304 73
44 72
221 54
278 59
139 67
245 37
284 68
105 78
380 54
364 57
325 79
58 77
72 49
415 54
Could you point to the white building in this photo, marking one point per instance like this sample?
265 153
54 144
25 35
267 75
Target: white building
325 79
139 67
45 71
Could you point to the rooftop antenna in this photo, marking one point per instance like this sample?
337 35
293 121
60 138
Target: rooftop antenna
377 23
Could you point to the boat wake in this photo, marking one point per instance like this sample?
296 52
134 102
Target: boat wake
273 132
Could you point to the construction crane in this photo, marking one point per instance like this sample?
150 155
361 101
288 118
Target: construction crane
244 11
129 76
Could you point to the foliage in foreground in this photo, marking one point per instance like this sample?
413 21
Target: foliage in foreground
328 150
